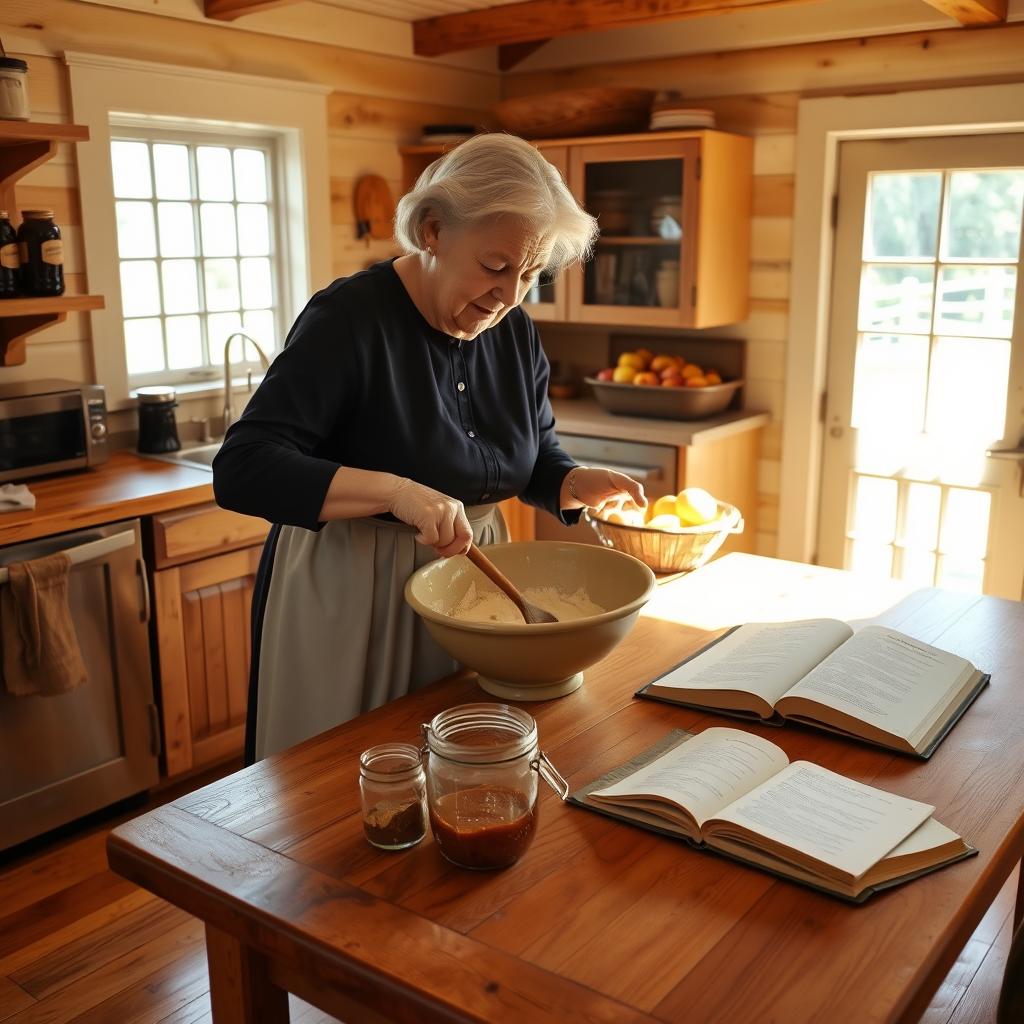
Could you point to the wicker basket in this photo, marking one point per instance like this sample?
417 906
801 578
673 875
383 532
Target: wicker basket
663 551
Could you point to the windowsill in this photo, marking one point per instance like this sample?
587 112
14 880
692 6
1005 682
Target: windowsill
204 389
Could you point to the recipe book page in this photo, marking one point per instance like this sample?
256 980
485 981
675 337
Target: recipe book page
887 679
702 775
835 821
765 658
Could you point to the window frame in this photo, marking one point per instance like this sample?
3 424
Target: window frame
203 103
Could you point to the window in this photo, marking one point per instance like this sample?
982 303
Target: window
197 259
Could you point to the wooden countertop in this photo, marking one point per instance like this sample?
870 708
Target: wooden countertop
586 416
126 486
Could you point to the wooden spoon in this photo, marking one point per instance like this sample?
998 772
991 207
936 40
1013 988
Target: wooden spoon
531 613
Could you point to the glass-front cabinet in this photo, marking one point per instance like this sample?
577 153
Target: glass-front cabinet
674 211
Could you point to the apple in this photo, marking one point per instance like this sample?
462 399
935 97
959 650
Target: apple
647 379
608 373
624 374
692 370
696 382
661 363
646 354
633 359
674 381
712 378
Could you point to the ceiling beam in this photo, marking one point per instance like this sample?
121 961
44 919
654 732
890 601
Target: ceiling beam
229 10
545 19
972 12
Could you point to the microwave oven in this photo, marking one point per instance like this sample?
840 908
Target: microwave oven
50 426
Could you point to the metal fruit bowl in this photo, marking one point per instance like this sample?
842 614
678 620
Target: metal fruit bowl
664 403
666 551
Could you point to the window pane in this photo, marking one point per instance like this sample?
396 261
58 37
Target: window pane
181 287
220 327
965 523
221 284
173 178
218 223
903 215
177 232
257 292
871 559
961 574
251 175
214 164
967 389
921 515
144 346
890 382
896 298
260 324
130 164
140 292
976 300
136 236
874 515
184 342
983 215
918 567
253 230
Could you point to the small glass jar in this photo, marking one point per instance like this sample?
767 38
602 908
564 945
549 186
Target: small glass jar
9 261
482 768
158 429
42 254
391 784
13 89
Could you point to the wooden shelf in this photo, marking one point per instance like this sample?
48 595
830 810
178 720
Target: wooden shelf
21 317
24 145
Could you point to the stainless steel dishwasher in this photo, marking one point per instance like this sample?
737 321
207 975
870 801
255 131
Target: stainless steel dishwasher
64 756
654 465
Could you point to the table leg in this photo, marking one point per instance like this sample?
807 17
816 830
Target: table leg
240 991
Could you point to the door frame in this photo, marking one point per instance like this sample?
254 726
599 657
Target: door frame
822 125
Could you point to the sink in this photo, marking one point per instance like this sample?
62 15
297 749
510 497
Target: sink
197 456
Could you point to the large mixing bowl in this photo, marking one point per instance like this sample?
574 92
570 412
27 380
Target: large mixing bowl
517 661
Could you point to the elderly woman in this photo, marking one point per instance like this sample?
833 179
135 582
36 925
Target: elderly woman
409 399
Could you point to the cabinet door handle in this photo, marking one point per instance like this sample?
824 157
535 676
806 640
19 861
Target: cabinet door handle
140 571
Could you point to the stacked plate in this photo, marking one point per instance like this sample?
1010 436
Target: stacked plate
676 116
445 134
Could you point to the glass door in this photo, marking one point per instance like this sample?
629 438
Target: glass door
644 195
923 476
547 299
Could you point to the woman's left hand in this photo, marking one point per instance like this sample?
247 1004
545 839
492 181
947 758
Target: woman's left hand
595 488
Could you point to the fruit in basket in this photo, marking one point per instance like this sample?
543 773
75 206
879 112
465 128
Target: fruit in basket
696 382
666 504
692 370
668 523
608 373
647 379
626 517
695 507
672 382
634 359
712 377
661 363
624 374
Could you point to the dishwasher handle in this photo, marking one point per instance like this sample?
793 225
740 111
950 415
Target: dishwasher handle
87 552
641 473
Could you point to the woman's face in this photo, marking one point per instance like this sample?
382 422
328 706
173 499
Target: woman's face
479 272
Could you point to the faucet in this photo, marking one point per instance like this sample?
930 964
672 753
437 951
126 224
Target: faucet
229 412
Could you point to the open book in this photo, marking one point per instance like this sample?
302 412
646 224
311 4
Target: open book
877 684
738 794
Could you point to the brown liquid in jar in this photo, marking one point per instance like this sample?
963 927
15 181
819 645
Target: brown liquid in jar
484 827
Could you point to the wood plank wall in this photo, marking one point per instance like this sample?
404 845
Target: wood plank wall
756 92
378 104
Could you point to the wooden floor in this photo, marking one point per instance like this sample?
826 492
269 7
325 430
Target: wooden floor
79 944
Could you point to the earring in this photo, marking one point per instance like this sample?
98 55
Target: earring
430 251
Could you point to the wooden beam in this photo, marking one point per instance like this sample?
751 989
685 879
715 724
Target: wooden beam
229 10
972 12
510 54
534 19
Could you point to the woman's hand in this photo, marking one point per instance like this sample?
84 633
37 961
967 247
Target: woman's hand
595 488
441 520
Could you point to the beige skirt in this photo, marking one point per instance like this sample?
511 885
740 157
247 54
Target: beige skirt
338 637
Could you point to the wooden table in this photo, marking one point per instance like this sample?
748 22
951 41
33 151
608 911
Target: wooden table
599 922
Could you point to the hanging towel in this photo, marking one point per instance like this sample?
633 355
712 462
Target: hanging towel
41 656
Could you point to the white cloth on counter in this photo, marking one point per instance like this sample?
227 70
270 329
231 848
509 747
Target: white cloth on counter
16 496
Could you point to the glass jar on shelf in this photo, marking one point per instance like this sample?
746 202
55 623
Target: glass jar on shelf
41 252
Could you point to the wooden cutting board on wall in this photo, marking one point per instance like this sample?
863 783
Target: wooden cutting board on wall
374 208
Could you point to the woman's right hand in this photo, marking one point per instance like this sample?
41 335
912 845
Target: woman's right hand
440 520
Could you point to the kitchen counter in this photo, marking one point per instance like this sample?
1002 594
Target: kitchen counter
126 486
587 417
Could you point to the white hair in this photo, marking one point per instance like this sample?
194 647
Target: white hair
495 174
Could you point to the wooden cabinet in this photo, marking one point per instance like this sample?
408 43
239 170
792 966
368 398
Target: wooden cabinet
23 147
674 210
205 562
